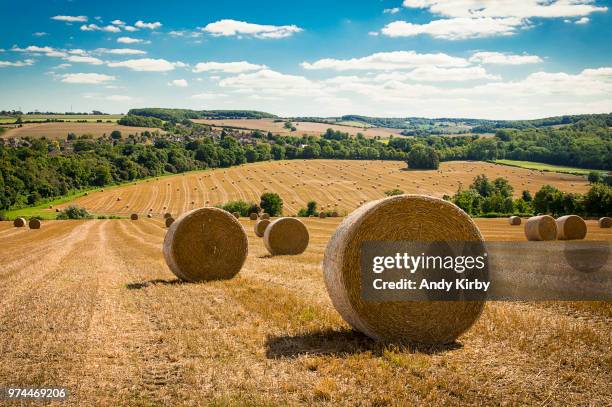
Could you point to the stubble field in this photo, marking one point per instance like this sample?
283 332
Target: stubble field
61 130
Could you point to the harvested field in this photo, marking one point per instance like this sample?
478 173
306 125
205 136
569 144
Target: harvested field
308 128
334 185
61 130
91 305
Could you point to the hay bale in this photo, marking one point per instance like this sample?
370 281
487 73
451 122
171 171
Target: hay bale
149 216
402 217
167 215
322 215
34 223
253 216
265 216
19 222
169 221
542 227
286 236
134 216
571 227
334 214
236 215
205 244
260 227
514 220
605 222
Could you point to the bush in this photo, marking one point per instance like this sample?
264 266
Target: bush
240 206
594 177
423 157
2 215
393 192
310 210
74 212
271 203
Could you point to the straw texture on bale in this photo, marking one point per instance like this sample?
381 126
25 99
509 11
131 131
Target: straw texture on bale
236 215
205 244
397 218
605 222
265 216
34 223
167 215
169 221
286 236
19 222
134 216
253 216
542 227
260 227
571 227
514 220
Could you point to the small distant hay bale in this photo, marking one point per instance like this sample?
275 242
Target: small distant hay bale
236 215
169 221
50 206
167 215
322 215
571 227
205 244
149 216
605 222
334 214
260 227
265 216
253 216
118 199
57 210
34 223
514 220
286 236
19 222
397 218
134 216
539 228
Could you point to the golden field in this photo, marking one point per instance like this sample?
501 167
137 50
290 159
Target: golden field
61 130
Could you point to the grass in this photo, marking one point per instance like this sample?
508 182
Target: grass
546 167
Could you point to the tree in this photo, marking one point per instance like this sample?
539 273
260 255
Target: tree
116 135
482 185
271 203
526 195
310 210
423 157
594 177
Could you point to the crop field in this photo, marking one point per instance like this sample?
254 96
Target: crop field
333 184
61 130
544 167
303 128
91 305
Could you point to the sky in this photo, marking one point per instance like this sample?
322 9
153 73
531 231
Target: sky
493 59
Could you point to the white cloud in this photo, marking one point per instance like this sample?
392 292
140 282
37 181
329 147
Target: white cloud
94 27
273 83
435 74
35 49
119 98
87 78
129 40
147 65
387 61
120 51
228 28
180 83
498 58
16 64
456 28
117 22
583 20
208 96
62 66
373 33
70 19
150 26
393 10
84 59
40 34
130 28
227 67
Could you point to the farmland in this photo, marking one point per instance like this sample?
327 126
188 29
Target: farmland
61 130
65 117
544 167
333 184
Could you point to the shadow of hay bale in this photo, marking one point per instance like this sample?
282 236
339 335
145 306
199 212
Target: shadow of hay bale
145 284
342 343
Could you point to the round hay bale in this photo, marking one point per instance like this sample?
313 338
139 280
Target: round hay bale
260 227
253 216
542 227
514 220
169 221
322 215
57 210
286 236
167 215
265 216
605 222
34 223
402 217
236 215
571 227
205 244
134 216
19 222
149 216
334 214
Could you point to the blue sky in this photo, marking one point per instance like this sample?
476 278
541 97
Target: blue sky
454 58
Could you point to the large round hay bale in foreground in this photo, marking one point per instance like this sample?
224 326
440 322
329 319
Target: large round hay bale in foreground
571 227
205 244
605 222
286 236
134 216
514 220
398 218
167 215
19 222
34 223
236 215
253 216
542 227
169 221
260 227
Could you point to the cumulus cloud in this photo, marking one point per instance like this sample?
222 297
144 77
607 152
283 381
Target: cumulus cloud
271 82
84 59
393 10
179 83
130 28
87 78
436 74
62 66
16 64
460 28
150 26
498 58
147 65
95 27
70 19
229 28
40 34
35 49
208 96
387 61
120 51
583 20
227 67
129 40
118 22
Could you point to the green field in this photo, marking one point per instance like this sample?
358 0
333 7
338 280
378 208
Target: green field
545 167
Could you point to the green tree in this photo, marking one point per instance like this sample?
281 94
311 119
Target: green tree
594 177
423 157
271 203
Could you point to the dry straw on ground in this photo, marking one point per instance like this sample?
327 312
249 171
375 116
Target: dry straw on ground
571 227
134 216
19 222
514 220
260 227
34 223
205 244
542 227
169 221
404 217
286 236
605 222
